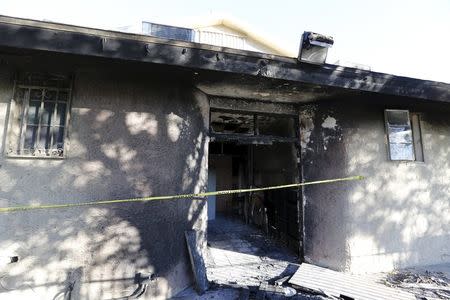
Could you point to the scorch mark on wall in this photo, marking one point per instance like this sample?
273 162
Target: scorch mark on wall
306 127
329 123
330 131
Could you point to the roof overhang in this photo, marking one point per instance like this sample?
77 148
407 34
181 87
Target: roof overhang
60 38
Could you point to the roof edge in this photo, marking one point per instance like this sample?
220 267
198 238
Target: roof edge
54 37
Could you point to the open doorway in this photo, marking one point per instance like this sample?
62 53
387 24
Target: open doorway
256 150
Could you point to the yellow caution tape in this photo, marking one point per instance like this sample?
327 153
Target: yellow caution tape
154 198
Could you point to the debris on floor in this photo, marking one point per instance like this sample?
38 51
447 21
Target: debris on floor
243 258
241 254
244 263
235 292
424 284
345 286
213 293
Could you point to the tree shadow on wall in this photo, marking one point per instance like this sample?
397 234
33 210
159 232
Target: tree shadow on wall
130 136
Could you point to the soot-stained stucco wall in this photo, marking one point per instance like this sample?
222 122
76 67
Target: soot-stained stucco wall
399 215
130 135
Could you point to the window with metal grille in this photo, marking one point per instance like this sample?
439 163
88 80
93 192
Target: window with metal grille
39 121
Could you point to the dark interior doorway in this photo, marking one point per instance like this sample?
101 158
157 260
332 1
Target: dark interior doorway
256 150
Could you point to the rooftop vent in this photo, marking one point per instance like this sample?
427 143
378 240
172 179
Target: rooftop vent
314 47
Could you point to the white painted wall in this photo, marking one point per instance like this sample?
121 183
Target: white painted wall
399 215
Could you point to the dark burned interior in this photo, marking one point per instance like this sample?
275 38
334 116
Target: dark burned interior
250 149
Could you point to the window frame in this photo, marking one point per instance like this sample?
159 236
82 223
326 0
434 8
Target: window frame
415 136
22 122
255 137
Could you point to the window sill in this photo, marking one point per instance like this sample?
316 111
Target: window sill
12 156
408 162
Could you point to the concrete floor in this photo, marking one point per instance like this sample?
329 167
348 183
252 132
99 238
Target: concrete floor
243 263
240 254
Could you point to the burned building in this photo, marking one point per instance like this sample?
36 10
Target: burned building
88 114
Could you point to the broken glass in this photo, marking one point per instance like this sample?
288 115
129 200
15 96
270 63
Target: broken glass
400 136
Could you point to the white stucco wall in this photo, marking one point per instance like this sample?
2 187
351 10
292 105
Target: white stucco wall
130 136
399 215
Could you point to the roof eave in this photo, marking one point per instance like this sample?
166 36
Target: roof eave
53 37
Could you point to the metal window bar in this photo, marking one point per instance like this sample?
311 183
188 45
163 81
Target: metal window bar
23 126
36 142
44 147
36 87
53 120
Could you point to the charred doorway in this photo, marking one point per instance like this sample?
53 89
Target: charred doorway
257 149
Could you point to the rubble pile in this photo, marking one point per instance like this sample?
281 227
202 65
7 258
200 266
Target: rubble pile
424 284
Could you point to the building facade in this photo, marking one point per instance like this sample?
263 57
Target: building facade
89 115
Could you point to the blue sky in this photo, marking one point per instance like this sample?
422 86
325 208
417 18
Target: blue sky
410 38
